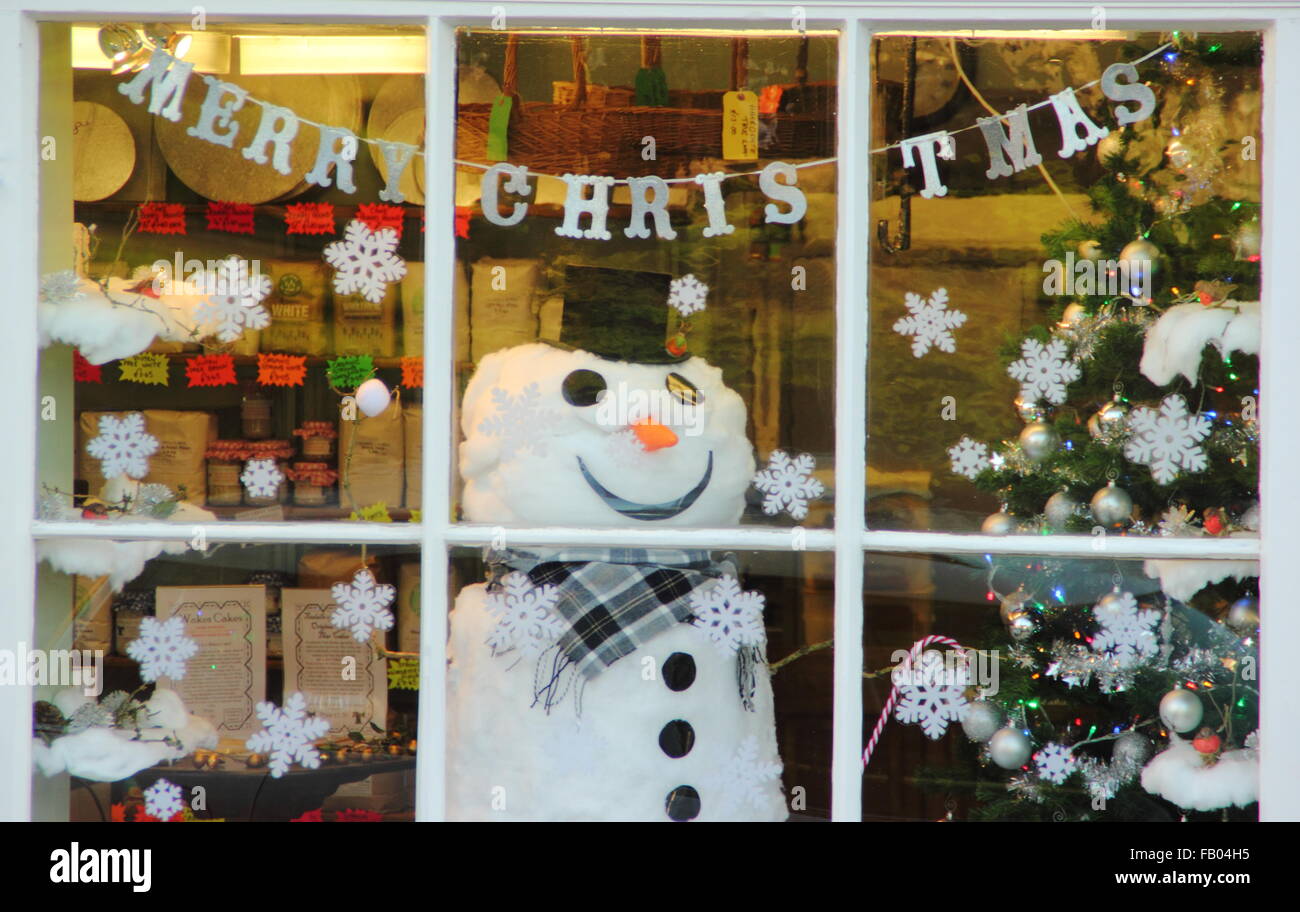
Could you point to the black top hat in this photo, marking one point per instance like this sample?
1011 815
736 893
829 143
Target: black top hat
618 314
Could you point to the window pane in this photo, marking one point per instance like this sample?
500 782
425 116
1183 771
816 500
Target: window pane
189 650
645 281
1101 690
237 306
647 716
1042 329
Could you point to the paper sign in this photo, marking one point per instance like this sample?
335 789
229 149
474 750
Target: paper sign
281 370
349 371
309 218
740 126
498 128
412 372
381 215
210 370
85 372
162 218
235 218
462 221
146 367
404 674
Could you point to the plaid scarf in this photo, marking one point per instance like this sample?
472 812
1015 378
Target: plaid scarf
612 602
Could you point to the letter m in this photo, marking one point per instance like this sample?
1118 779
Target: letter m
166 78
114 865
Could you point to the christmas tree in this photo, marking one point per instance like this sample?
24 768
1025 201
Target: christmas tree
1120 697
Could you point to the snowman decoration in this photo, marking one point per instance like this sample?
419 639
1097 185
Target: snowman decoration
594 683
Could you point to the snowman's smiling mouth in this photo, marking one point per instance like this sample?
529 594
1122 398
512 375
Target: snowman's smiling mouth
648 512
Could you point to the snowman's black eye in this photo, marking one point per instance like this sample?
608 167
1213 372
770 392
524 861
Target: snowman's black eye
684 389
582 388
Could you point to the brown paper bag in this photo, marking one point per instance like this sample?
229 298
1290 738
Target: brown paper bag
413 435
297 307
408 607
413 312
183 437
362 327
371 469
322 569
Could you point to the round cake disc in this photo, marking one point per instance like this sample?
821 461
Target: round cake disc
407 128
103 152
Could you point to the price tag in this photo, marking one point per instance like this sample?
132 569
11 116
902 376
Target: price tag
162 218
234 218
381 215
281 370
404 674
740 126
412 372
210 370
146 367
309 218
85 372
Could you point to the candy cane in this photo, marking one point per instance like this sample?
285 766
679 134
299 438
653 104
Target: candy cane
917 648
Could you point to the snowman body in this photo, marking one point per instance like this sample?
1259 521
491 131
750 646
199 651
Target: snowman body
662 733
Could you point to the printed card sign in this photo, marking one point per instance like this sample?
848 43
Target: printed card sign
740 126
226 679
343 680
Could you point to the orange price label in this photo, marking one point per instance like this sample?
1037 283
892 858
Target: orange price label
412 371
309 218
281 370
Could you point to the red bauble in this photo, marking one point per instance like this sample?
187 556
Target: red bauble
1207 742
1213 522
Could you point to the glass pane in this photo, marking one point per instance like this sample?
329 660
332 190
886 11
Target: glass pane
235 293
1093 689
1041 329
645 292
192 666
570 698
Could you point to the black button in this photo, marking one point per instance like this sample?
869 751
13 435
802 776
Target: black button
679 671
677 738
683 803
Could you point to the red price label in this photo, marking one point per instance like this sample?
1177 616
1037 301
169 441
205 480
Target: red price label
162 218
235 218
412 372
210 370
309 218
380 215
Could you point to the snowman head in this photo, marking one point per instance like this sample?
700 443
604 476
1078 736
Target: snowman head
558 435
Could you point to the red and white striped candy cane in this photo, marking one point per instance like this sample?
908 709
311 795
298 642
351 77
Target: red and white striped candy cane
917 648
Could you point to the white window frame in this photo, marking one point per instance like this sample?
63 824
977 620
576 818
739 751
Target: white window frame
1280 369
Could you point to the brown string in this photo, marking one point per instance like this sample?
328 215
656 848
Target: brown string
739 63
580 72
652 52
801 62
510 76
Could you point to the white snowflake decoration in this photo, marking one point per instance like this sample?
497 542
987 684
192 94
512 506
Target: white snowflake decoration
969 457
741 781
525 615
1055 762
930 323
687 294
1167 440
61 287
365 261
1043 371
234 301
626 449
1177 521
931 694
362 605
288 735
163 800
520 421
123 447
731 617
162 649
1127 633
788 484
261 477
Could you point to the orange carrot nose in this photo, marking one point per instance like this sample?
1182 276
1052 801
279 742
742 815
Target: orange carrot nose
654 436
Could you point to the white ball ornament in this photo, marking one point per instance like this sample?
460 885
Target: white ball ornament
1243 616
373 397
1132 749
1112 507
1141 260
999 524
1009 748
1088 250
984 719
1038 440
1181 710
1245 243
1058 510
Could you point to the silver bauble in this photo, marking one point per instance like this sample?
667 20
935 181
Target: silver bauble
1038 440
1132 749
1090 250
983 720
1022 626
1009 748
1243 616
1245 243
1112 507
1141 260
1110 144
1012 603
1110 418
1073 313
1030 410
1180 156
1058 510
999 524
1181 710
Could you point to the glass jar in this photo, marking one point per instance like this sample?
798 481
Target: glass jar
255 414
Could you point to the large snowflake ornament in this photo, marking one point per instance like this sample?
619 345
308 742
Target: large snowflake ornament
742 780
163 800
1127 632
931 693
362 605
261 477
365 261
1043 371
234 299
687 294
525 615
288 735
520 421
731 617
1167 440
788 484
162 648
123 447
61 287
1055 763
969 457
929 322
